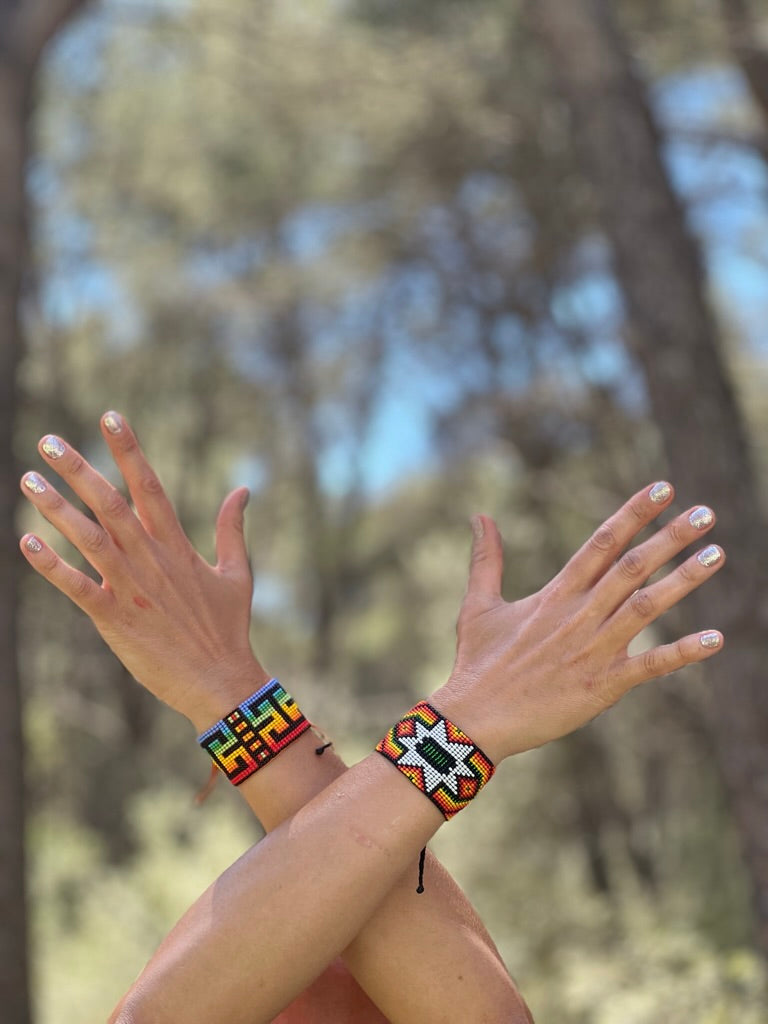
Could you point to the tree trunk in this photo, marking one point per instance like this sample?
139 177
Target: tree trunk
673 336
25 28
14 994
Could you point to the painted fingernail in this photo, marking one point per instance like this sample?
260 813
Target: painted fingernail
478 527
34 483
33 544
709 556
113 422
660 492
710 639
53 447
701 517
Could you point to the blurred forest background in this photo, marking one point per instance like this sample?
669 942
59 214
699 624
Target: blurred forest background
389 265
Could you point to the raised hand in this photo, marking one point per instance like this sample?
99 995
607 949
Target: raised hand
178 624
529 671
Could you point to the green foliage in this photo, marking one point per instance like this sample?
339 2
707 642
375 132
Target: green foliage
93 924
259 224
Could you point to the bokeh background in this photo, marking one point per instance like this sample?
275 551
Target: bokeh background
390 265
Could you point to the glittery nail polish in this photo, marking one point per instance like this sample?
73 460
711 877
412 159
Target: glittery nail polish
53 447
660 492
709 556
34 483
701 517
710 639
33 545
113 422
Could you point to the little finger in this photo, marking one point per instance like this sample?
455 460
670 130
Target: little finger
660 661
79 588
90 539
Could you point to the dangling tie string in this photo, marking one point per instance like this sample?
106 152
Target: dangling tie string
422 858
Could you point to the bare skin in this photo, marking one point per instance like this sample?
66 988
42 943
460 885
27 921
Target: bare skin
169 592
526 672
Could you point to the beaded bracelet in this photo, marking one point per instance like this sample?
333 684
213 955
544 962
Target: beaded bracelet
254 732
438 758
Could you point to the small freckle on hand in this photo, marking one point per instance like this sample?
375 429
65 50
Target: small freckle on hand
141 602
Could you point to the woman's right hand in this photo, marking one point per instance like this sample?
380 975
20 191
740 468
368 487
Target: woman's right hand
178 624
529 671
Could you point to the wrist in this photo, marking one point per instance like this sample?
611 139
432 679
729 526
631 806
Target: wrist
443 761
473 715
249 736
222 689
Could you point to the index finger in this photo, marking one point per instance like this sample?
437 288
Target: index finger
149 498
598 554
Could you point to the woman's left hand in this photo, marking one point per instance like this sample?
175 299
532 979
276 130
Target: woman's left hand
178 624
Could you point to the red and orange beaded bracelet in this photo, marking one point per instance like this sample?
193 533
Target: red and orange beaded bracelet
437 757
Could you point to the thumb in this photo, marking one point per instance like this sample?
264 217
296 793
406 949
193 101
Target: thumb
487 562
231 552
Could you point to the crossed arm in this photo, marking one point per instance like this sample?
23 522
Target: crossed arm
182 627
525 673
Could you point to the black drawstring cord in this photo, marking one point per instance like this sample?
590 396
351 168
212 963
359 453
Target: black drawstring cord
422 858
325 742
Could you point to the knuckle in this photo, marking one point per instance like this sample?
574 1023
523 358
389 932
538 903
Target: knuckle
55 502
76 464
686 573
632 565
676 534
150 484
598 689
639 511
48 561
114 504
642 604
95 541
651 663
80 586
603 539
128 442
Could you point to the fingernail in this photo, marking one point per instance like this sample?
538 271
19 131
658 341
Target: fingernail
33 544
660 492
709 556
53 447
113 422
701 517
710 639
34 483
244 501
478 528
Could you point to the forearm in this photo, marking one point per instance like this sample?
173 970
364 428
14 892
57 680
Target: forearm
280 914
526 672
458 974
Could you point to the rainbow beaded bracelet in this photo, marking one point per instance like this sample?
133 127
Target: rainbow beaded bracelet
437 757
254 732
